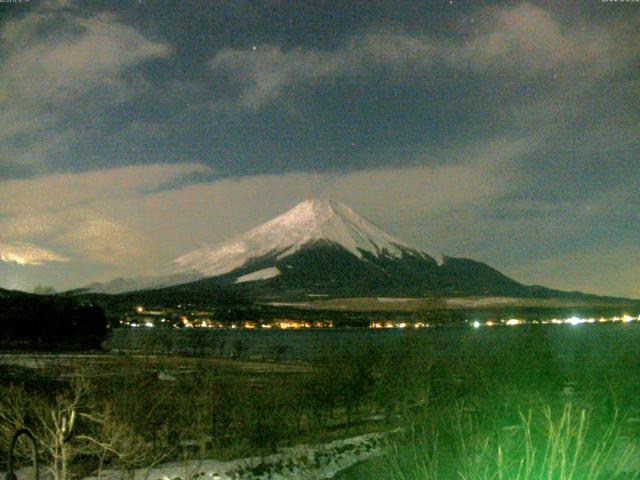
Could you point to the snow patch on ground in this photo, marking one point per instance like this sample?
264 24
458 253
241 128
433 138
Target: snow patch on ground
480 302
393 300
263 274
288 304
318 461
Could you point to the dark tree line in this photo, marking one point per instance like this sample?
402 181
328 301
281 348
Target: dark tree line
50 322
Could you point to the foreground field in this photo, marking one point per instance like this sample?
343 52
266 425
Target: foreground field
532 402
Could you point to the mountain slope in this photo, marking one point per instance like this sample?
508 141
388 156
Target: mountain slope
310 221
325 268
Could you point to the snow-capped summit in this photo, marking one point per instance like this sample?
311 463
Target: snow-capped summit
321 246
310 221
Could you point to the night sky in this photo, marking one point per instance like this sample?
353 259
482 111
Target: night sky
134 131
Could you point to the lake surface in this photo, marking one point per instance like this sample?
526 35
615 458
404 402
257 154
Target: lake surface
565 342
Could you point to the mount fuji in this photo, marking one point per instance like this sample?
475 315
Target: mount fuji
323 248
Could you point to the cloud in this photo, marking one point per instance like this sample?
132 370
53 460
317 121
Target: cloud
64 190
57 62
28 254
528 37
74 59
264 72
463 177
103 240
66 211
520 40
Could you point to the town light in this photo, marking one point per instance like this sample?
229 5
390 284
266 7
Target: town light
574 321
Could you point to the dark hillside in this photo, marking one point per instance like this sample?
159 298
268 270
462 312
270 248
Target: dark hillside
49 322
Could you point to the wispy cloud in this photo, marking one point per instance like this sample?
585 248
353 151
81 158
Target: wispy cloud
28 254
53 58
67 211
528 38
262 73
65 190
520 40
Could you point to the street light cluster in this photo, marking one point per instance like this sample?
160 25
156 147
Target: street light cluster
557 321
